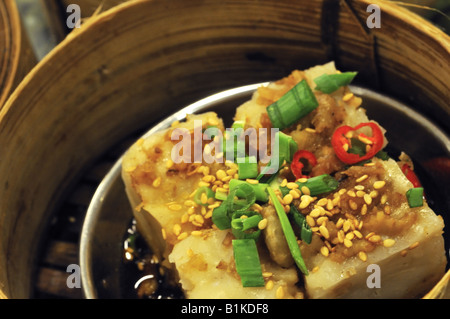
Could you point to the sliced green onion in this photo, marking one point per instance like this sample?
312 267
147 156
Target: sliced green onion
246 228
203 190
288 232
317 185
248 265
328 83
246 197
415 197
220 195
259 189
292 106
249 167
300 220
220 217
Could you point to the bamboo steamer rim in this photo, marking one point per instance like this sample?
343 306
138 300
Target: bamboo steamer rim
10 47
36 81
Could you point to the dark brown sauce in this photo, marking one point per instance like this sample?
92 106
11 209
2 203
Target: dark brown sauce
142 275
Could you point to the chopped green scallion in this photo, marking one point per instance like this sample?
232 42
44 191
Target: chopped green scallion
248 168
247 261
328 83
259 189
292 106
198 197
288 232
415 197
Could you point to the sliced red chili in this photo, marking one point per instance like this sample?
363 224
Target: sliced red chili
410 175
342 142
297 166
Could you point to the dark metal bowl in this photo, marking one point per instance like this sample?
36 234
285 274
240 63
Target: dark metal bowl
109 213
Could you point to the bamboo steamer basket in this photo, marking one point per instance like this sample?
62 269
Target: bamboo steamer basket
140 61
16 54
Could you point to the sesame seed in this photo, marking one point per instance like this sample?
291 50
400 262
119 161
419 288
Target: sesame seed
175 207
227 179
157 182
362 255
315 213
169 163
347 97
280 292
311 222
364 209
383 199
362 178
204 198
324 251
351 193
262 224
388 242
347 225
339 223
350 236
374 238
368 199
196 233
184 218
324 231
294 193
182 236
269 285
288 199
358 234
373 194
330 204
220 174
348 243
199 219
202 184
252 181
305 201
305 190
322 220
302 180
414 245
284 183
360 193
341 236
379 184
190 203
315 269
267 274
322 202
291 185
359 187
177 229
365 140
353 204
163 233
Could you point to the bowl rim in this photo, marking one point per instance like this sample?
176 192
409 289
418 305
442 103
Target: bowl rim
88 286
